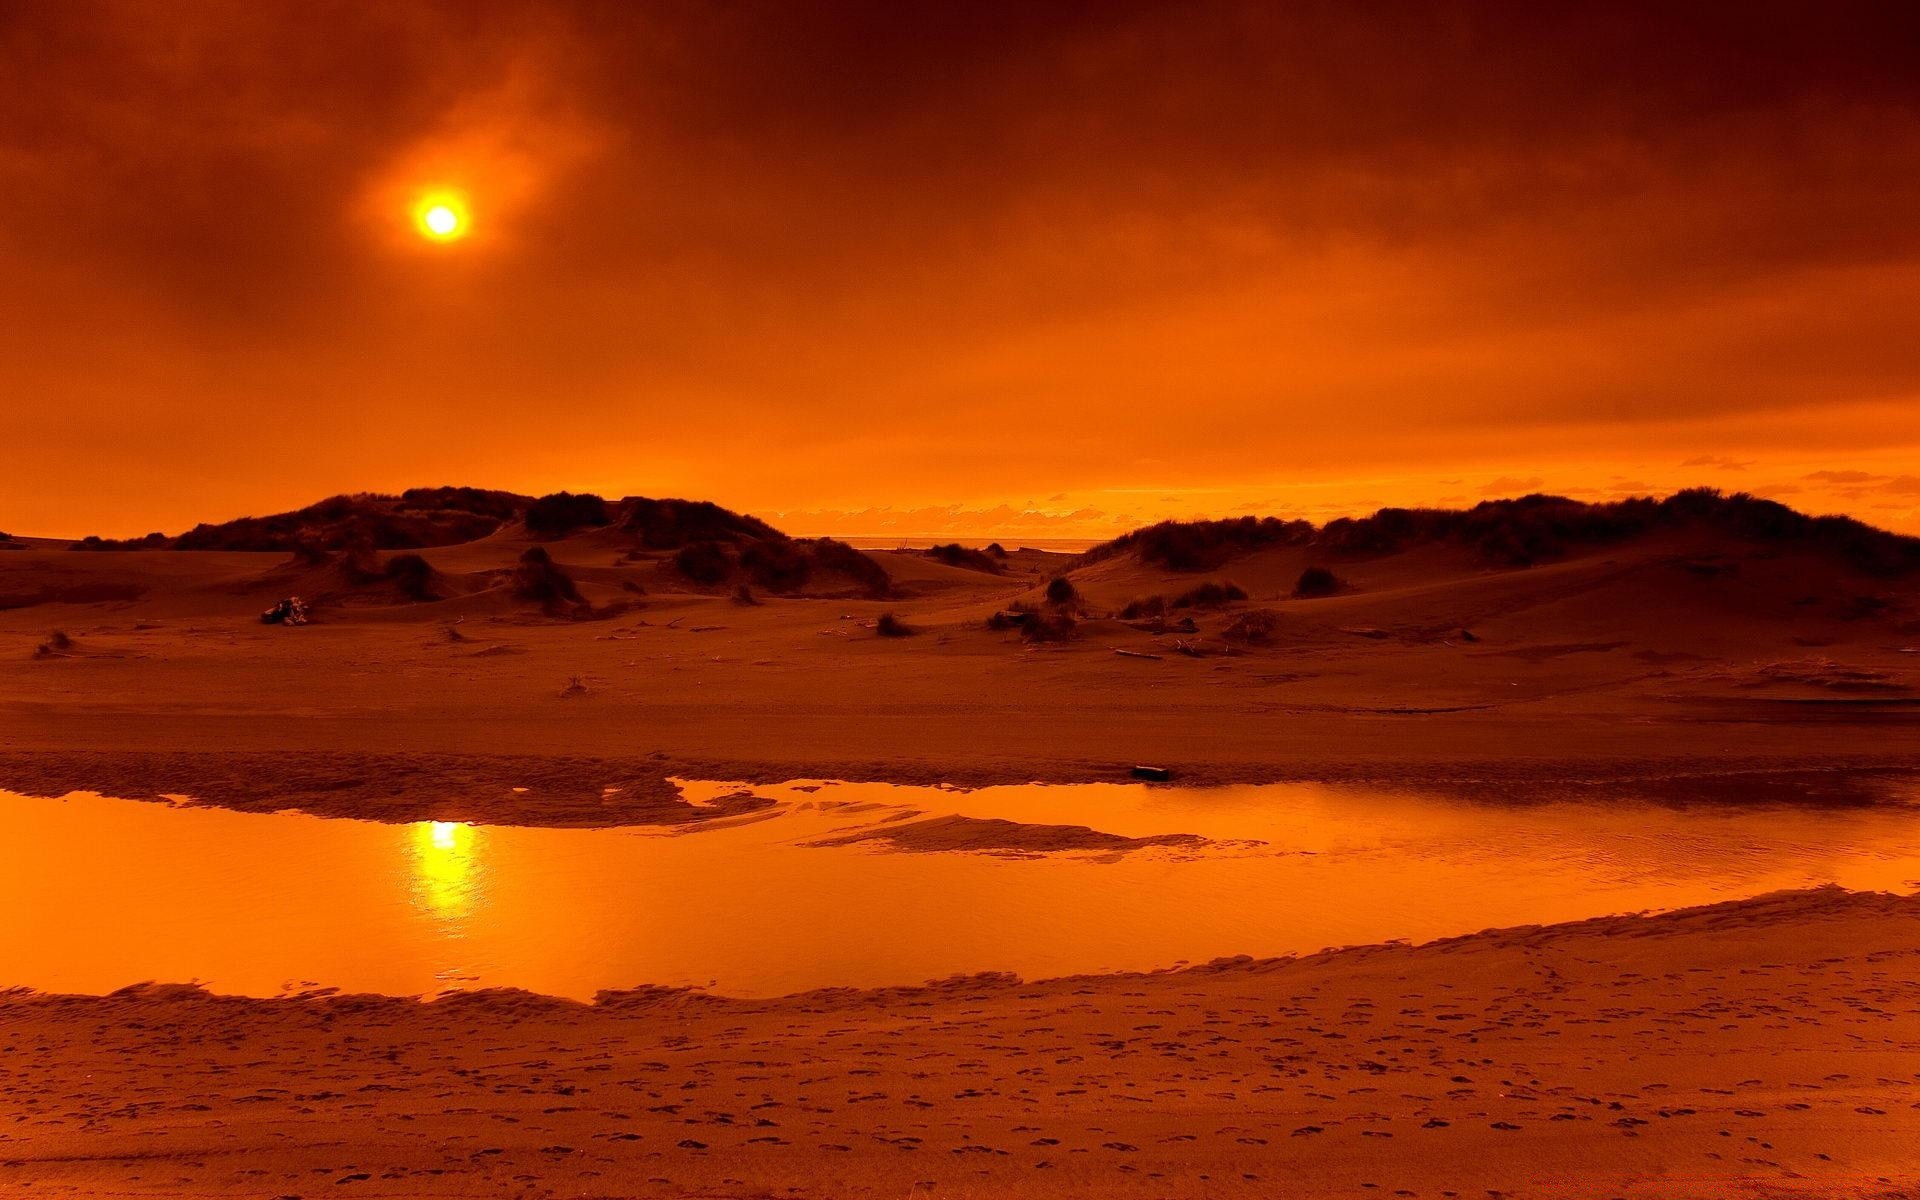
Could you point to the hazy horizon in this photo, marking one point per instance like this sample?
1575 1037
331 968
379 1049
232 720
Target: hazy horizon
1096 263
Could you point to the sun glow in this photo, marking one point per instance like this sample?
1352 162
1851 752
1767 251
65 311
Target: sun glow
449 867
441 216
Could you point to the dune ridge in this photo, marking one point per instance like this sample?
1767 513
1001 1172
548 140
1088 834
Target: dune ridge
1520 531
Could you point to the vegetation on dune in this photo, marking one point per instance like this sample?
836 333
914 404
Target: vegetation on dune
310 553
782 566
415 518
671 524
1315 582
57 643
1060 590
1010 618
893 627
151 541
1035 622
485 502
830 554
1252 628
1211 594
1520 532
1050 625
385 523
539 580
561 513
955 555
1540 528
705 563
422 517
412 576
1193 546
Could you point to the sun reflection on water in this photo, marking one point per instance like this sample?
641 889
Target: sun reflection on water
449 868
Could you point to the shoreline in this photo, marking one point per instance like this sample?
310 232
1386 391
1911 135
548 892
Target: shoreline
1791 902
1764 1046
569 791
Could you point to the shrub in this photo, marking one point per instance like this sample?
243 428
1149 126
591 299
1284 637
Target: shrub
1060 590
893 627
1210 594
955 555
1141 608
152 541
412 577
361 564
779 567
309 552
537 580
704 563
1054 625
57 643
480 502
671 524
996 549
1316 581
1254 628
563 512
1202 545
831 555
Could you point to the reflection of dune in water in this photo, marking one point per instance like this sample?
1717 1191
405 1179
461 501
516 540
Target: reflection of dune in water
954 832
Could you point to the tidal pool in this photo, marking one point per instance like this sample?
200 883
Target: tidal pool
98 893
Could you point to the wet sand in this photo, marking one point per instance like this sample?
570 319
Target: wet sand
1772 1042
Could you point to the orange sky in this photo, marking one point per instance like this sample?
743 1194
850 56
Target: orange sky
872 268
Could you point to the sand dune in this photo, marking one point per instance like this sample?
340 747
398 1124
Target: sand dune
1682 649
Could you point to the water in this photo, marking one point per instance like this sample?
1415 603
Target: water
98 893
1012 541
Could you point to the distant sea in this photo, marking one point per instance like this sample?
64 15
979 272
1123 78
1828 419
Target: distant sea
1011 541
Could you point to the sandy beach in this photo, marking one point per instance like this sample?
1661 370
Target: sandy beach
1765 1045
1762 1048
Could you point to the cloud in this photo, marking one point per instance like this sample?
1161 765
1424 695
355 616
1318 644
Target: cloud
837 254
1508 485
1851 477
1718 460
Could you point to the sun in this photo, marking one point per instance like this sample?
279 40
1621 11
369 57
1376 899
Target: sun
441 216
